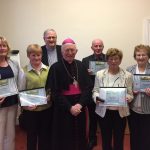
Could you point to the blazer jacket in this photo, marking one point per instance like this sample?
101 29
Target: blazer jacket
45 55
126 81
145 99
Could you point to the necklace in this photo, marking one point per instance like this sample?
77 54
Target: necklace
112 79
75 81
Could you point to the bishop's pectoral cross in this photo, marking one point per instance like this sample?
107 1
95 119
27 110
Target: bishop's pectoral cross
75 82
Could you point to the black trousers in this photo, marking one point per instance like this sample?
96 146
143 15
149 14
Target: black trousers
112 127
93 120
139 125
38 128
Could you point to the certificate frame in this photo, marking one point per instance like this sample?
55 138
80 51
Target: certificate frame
141 82
8 87
96 66
30 97
113 96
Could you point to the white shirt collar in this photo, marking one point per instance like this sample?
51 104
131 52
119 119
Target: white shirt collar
29 67
51 49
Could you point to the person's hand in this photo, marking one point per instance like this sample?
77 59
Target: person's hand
135 92
90 72
147 91
76 109
30 107
98 100
73 111
2 99
48 93
48 97
127 99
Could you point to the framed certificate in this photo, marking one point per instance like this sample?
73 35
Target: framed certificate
8 87
33 97
95 66
141 82
113 96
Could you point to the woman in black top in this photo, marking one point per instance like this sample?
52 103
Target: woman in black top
8 104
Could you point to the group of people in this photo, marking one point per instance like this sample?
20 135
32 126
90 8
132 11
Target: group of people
68 121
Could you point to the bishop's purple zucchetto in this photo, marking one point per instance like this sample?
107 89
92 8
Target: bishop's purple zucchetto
68 41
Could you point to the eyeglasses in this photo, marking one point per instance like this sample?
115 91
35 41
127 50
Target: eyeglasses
51 37
141 55
114 58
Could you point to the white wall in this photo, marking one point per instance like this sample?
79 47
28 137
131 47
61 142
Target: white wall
118 22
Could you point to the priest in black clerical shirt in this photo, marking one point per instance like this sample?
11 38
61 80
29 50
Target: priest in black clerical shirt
70 87
97 48
51 52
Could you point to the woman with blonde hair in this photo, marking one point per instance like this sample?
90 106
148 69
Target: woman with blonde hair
37 117
8 105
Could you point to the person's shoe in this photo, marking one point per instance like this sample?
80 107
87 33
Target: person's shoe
91 144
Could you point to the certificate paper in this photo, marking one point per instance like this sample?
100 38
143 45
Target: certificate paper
141 82
113 96
33 97
95 66
8 87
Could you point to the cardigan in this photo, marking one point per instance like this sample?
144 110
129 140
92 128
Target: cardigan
101 81
145 99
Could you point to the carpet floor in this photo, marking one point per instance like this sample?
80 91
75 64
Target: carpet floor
21 140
